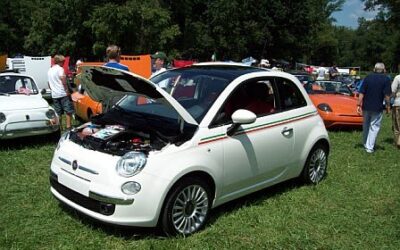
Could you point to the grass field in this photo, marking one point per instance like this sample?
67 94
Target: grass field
356 207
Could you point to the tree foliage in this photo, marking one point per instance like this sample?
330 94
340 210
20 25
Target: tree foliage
300 31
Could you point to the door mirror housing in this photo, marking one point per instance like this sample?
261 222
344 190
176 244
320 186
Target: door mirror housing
243 116
239 117
81 89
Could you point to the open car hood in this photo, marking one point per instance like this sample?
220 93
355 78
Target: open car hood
102 82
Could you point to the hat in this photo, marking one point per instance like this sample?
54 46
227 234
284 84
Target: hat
264 62
159 54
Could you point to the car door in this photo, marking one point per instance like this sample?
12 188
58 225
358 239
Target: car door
258 154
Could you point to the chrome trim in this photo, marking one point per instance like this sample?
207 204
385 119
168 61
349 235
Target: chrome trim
64 160
107 199
28 131
75 175
87 170
79 167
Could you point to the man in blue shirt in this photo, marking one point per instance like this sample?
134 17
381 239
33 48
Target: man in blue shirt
375 88
113 53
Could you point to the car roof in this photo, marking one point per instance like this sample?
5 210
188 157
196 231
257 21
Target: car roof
220 64
14 74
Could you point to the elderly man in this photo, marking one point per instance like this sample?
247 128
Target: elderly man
375 88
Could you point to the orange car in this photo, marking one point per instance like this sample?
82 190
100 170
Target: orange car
85 107
336 104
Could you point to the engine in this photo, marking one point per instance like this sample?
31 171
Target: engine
115 139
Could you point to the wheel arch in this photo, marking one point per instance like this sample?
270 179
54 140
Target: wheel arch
193 174
324 142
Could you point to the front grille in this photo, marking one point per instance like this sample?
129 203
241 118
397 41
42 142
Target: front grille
86 202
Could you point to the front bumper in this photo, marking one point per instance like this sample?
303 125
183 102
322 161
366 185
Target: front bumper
337 120
94 188
31 128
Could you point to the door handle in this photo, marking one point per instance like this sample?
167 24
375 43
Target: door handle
286 131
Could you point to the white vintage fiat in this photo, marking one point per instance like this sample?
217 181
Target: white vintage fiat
187 141
23 111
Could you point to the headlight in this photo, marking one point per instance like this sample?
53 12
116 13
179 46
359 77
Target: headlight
2 117
324 107
131 163
50 114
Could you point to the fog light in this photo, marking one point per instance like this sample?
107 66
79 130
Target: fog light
130 187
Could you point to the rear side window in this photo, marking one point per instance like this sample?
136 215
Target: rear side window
262 96
289 95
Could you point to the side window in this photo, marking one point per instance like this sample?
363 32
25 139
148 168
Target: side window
290 96
256 96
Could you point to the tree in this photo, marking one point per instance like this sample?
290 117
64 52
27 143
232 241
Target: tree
136 26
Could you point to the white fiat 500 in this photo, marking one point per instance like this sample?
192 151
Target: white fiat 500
23 111
187 141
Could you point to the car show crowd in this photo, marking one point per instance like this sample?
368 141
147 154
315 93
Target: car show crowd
133 119
327 86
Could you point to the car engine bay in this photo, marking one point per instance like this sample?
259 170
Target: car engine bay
115 139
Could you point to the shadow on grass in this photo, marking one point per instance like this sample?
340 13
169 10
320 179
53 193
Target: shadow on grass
386 141
137 233
389 140
125 232
345 129
254 199
26 142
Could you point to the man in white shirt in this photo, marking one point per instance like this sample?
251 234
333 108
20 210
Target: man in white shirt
59 91
396 110
321 71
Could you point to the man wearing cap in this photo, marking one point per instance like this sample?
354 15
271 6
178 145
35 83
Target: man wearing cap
159 58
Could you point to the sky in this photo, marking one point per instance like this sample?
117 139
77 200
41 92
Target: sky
351 11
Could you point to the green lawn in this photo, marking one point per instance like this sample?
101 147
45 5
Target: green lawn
356 207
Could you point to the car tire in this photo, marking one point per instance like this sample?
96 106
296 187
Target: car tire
186 207
316 165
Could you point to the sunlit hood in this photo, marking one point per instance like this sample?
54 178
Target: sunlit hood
21 102
101 82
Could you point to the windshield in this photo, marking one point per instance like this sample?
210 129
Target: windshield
14 84
328 87
197 88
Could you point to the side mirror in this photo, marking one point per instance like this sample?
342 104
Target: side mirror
43 91
239 117
81 89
